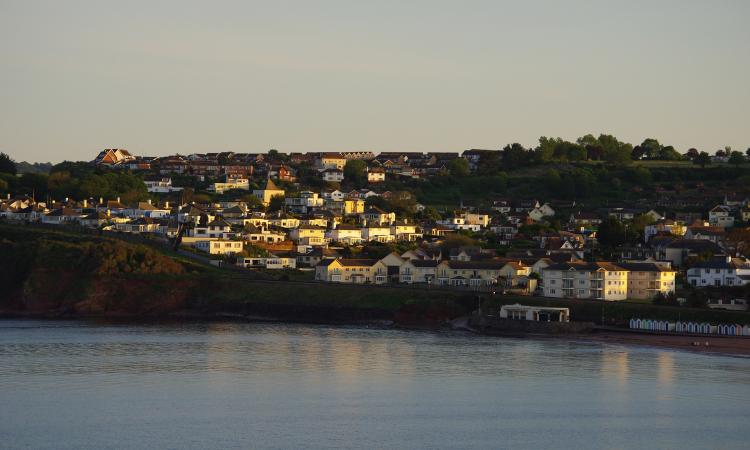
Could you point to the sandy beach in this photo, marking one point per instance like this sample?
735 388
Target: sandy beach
713 344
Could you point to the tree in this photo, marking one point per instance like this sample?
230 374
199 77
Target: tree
651 148
747 152
703 159
7 165
692 153
276 203
611 233
355 170
669 153
515 156
459 167
736 158
737 240
430 213
615 151
545 152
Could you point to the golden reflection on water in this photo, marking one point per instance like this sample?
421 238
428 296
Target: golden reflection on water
306 349
665 369
616 366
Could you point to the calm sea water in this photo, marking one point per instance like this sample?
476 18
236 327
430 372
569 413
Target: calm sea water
93 386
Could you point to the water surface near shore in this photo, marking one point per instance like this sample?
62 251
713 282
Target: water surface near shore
73 384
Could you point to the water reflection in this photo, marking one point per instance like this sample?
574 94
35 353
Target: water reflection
302 386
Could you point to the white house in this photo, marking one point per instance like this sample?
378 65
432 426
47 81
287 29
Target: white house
721 216
379 233
231 183
219 246
161 185
333 175
346 234
270 262
720 272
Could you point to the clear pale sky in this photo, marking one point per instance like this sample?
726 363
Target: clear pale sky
184 76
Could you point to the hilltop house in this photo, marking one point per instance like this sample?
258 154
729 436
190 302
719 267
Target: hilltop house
113 157
332 160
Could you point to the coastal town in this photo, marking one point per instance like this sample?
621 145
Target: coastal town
294 213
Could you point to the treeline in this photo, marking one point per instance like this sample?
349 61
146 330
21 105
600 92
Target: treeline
604 148
76 180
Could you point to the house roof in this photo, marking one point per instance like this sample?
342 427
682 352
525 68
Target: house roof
476 265
587 266
645 267
271 186
219 222
694 244
424 262
356 262
735 263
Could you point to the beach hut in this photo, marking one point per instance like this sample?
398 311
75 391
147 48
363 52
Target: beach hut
705 328
746 330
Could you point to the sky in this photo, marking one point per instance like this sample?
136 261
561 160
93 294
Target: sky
164 77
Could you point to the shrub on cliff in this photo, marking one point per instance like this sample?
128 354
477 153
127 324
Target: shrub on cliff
111 257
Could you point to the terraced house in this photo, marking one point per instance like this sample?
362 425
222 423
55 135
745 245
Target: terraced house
356 271
418 271
469 273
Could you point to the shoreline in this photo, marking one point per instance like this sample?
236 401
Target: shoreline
717 345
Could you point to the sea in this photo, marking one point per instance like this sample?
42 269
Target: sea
99 385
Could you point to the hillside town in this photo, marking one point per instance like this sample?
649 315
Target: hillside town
332 218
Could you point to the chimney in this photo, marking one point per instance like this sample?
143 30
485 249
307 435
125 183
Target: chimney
85 203
166 205
8 196
149 201
101 201
118 199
